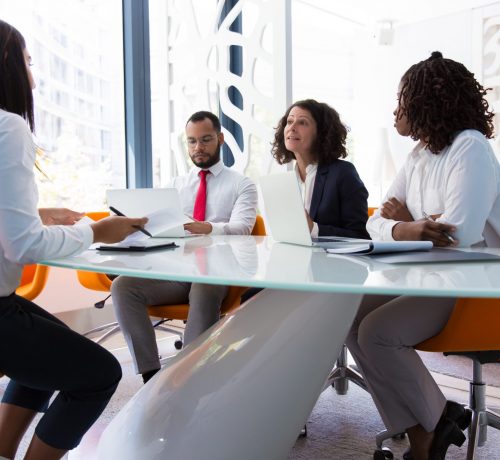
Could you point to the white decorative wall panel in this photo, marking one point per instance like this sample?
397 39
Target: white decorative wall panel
198 60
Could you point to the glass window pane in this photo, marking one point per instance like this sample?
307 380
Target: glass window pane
76 47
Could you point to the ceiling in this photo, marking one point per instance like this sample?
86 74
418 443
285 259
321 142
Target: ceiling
371 12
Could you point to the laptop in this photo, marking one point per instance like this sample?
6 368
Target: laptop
285 215
139 202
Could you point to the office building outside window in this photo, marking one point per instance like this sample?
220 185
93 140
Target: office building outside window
76 48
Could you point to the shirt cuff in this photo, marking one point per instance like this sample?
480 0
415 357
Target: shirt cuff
87 235
387 230
315 230
218 228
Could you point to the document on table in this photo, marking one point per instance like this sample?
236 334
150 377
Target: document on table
377 247
159 222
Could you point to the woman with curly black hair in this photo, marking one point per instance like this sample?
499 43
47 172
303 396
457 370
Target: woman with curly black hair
335 198
448 192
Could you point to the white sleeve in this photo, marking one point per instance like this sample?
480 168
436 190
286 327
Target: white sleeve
23 238
243 214
470 189
379 227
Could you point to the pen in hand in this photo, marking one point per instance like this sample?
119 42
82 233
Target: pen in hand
446 234
138 227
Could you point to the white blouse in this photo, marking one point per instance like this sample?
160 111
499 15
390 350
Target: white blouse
23 237
462 183
306 190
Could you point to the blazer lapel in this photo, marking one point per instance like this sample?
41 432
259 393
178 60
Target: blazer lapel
319 186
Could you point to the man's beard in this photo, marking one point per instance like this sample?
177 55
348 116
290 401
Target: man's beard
211 161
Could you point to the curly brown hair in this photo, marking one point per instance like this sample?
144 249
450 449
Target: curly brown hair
330 142
440 98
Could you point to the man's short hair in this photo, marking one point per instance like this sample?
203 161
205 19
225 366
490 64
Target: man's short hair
202 115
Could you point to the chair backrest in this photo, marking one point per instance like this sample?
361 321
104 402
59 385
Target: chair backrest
97 215
33 281
259 228
473 326
93 280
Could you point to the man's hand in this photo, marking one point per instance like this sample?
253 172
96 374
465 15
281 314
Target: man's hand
59 216
395 210
114 229
203 228
424 229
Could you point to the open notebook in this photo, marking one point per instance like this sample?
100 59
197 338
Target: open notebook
378 247
161 205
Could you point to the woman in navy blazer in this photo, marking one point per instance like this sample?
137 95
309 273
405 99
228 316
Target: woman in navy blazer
335 198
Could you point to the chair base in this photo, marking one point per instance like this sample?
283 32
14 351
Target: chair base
481 418
113 328
110 328
343 373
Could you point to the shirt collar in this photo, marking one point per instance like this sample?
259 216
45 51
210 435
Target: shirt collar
215 170
310 168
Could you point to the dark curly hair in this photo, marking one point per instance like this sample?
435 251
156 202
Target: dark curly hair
330 141
440 97
16 95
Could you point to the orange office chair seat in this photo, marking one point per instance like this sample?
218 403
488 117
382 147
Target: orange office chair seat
472 331
33 281
101 282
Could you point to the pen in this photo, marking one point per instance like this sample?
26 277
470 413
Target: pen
138 227
448 236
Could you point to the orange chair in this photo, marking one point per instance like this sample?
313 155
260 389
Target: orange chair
33 281
471 331
92 280
101 282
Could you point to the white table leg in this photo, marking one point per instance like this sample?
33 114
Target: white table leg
242 390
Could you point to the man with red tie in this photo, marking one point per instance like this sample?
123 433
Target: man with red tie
222 202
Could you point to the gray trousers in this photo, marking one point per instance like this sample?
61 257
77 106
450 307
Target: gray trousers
381 341
131 296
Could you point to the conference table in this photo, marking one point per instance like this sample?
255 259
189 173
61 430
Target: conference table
244 389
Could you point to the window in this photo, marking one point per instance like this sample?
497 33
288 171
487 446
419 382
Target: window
76 46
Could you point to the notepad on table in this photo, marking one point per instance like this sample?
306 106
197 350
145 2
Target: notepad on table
378 247
140 246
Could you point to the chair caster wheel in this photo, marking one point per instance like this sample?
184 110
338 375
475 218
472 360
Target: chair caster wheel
383 454
303 432
341 386
178 344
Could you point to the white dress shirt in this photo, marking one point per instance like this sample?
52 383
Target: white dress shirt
23 237
306 190
461 183
231 199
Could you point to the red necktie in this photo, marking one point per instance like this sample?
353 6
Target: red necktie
200 203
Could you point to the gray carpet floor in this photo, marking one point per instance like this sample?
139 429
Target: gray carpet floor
339 428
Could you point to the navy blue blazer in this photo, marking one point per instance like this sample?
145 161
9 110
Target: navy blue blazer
339 203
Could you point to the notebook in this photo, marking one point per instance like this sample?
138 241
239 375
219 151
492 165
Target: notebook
141 202
143 246
285 215
379 247
437 255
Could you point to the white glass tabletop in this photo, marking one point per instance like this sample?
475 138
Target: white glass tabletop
262 262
